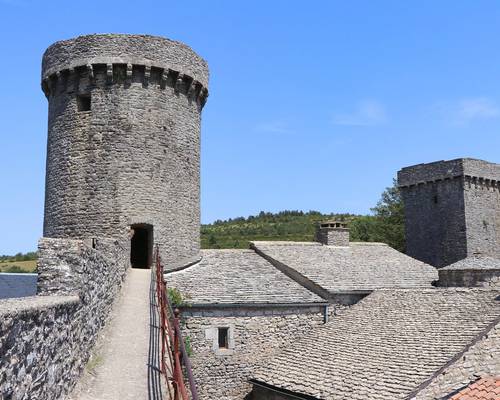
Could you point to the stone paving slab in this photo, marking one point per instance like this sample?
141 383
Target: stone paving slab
119 370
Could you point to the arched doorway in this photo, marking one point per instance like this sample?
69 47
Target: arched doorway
141 246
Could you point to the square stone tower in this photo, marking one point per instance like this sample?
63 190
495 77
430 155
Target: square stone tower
452 210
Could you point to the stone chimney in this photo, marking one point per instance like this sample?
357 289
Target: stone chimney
332 233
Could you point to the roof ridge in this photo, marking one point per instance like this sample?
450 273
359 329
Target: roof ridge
455 358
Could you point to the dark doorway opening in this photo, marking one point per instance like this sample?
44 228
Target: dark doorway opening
141 246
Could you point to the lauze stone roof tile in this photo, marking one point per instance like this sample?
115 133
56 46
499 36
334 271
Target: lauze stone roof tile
237 276
475 263
385 346
360 266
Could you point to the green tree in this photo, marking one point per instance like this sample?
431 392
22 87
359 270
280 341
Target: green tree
389 214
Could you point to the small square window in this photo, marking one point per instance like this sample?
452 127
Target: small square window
223 338
83 102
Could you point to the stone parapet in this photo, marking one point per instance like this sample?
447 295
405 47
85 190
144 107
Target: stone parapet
84 75
446 170
46 341
147 50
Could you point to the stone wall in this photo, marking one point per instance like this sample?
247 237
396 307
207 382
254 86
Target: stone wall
254 335
45 341
435 222
333 236
469 278
482 216
482 359
133 158
452 210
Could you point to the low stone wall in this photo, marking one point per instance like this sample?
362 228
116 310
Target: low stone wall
469 278
255 333
482 359
45 341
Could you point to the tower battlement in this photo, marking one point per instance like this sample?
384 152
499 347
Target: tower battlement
468 168
81 78
123 147
452 210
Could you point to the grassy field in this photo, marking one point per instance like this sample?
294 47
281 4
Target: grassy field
22 266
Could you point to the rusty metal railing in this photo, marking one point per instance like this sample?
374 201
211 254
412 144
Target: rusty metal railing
174 359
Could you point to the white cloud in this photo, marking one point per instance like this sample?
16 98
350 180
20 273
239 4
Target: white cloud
466 110
366 113
273 127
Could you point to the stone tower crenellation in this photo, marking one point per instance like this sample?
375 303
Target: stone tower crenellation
123 148
452 210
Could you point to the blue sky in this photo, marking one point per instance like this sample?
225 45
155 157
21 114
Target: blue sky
313 105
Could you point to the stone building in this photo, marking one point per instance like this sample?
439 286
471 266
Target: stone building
415 343
452 210
282 320
123 148
475 271
245 306
122 174
343 275
239 310
393 344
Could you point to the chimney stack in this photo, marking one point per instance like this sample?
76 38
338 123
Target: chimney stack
332 233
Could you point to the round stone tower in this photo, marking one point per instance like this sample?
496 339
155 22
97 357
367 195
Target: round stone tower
123 148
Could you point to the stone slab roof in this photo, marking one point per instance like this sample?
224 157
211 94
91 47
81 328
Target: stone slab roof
475 263
483 389
237 276
358 267
385 346
17 285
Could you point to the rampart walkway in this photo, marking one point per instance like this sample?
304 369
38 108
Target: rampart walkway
125 362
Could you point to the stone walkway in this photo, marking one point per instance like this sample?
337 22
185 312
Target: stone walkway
123 365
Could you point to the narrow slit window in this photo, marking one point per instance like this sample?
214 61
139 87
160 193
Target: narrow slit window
83 102
223 338
435 199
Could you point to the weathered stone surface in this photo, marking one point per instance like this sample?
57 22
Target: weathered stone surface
333 233
237 277
39 346
359 267
262 308
45 341
475 271
122 49
452 210
482 359
134 157
386 346
224 373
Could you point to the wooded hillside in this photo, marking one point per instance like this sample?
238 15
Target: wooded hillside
386 224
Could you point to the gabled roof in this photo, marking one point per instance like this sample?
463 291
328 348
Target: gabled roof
474 263
17 285
483 389
237 277
357 267
384 347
